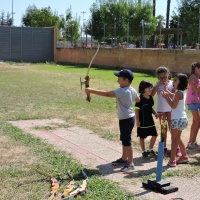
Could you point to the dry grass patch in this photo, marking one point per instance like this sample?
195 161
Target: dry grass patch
15 156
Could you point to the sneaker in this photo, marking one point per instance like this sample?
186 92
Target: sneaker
165 152
193 146
119 162
171 163
152 154
145 154
127 168
178 153
182 159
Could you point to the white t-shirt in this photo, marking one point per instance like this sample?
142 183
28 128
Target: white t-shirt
161 103
125 98
179 111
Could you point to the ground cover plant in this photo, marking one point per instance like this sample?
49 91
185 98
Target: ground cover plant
43 91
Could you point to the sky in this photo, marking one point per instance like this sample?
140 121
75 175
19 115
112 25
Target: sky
79 7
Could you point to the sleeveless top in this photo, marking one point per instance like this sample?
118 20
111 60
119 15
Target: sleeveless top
192 96
179 111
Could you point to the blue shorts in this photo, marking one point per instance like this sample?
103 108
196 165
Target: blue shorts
126 127
179 124
194 106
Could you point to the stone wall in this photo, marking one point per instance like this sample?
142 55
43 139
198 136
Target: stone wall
136 59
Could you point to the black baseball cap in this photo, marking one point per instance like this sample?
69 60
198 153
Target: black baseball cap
126 73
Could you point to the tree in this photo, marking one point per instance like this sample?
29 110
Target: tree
188 13
121 19
71 28
5 20
44 17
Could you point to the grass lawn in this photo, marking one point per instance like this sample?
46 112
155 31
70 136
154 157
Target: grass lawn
41 91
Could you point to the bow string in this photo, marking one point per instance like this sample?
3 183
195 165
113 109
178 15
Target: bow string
87 78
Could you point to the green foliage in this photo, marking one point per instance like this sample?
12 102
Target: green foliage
70 29
117 19
43 17
5 20
188 13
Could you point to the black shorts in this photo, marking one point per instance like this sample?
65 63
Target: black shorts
144 132
126 127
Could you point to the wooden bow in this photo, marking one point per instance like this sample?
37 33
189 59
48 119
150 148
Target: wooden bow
87 78
54 184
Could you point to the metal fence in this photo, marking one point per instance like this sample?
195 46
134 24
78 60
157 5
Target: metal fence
25 44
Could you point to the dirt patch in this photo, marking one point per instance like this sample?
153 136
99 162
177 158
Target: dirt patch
14 156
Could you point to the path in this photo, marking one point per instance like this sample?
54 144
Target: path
96 153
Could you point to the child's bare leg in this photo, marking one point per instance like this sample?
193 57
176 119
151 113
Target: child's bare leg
129 153
195 126
182 148
142 144
124 153
175 134
152 142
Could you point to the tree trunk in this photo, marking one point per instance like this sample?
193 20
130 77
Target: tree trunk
167 21
154 14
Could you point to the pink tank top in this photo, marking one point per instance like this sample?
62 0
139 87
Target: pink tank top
192 96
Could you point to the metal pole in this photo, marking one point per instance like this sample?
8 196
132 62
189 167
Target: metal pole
83 12
178 31
104 32
142 33
91 33
115 32
128 33
199 29
160 33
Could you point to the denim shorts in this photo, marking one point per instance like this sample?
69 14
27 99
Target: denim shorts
179 124
194 106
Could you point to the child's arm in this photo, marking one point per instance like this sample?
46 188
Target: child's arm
171 93
137 116
155 88
173 103
100 92
137 100
155 113
192 82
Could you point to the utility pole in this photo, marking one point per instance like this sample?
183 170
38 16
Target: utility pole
83 12
178 38
104 32
142 33
128 33
199 30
